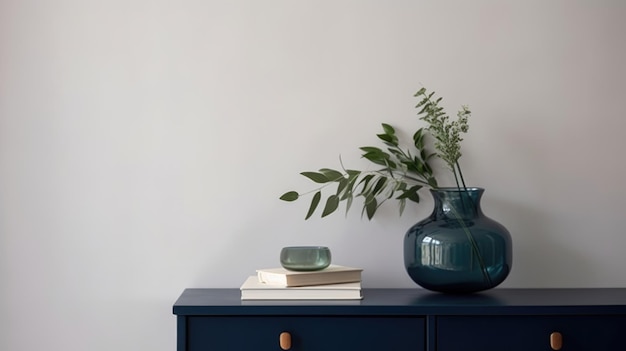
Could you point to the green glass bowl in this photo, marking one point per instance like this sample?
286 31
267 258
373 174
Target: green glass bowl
305 258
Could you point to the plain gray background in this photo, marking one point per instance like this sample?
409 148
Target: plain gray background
144 145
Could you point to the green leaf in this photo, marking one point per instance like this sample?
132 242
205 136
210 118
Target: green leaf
388 138
290 196
425 108
348 204
379 185
398 154
388 129
371 149
411 194
365 181
418 139
343 184
389 166
390 135
402 206
417 165
432 182
421 103
353 173
377 158
316 177
314 202
414 195
429 169
331 205
421 169
370 207
420 92
332 174
347 194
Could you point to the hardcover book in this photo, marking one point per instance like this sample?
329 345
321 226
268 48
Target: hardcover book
253 289
332 274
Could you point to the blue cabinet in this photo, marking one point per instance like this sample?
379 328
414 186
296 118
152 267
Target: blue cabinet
523 333
306 333
406 319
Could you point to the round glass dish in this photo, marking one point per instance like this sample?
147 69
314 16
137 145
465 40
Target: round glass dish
305 258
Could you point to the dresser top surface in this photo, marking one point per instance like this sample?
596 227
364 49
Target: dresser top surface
412 302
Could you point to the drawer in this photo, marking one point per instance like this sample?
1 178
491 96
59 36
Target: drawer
315 333
523 333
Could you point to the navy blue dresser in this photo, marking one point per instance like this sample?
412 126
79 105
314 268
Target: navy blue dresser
406 319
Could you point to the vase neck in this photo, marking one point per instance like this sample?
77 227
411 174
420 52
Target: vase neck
457 203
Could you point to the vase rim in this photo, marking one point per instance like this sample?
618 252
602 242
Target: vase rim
453 188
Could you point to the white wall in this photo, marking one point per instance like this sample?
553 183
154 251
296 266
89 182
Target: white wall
144 144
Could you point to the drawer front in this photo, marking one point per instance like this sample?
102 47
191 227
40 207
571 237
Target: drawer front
243 333
524 333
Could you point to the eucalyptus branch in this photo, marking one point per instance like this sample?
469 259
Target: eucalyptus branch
403 172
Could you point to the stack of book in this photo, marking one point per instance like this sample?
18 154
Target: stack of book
332 283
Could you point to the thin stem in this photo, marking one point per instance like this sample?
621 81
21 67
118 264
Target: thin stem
456 179
458 166
468 233
406 176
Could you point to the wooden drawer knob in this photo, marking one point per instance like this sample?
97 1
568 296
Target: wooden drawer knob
285 340
556 341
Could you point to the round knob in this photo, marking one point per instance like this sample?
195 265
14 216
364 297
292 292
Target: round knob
284 340
556 341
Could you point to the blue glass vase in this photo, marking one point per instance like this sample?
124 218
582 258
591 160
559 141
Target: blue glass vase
457 249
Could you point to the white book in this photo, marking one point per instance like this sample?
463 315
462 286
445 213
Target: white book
332 274
253 289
